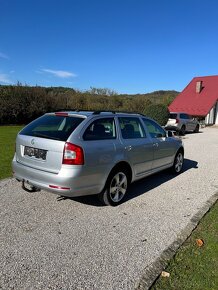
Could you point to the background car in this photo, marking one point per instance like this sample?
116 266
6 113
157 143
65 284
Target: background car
181 123
82 153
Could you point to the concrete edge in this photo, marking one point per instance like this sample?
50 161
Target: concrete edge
151 273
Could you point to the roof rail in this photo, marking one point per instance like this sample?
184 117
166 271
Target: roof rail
114 112
127 112
74 110
103 111
98 112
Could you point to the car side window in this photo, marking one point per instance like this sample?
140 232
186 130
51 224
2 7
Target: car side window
154 129
184 116
131 128
101 129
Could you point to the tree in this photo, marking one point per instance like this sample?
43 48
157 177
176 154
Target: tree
102 91
158 112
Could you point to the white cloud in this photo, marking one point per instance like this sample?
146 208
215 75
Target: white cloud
2 55
59 73
5 79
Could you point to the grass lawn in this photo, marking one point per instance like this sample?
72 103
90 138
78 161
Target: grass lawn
7 145
194 267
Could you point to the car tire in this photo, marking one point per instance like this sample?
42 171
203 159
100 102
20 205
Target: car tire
182 131
178 162
197 129
115 188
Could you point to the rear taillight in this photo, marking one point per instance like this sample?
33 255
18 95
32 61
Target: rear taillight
73 154
177 120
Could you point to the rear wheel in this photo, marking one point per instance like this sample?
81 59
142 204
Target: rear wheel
182 131
115 188
178 162
196 129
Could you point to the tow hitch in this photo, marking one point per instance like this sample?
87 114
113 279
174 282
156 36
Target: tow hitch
28 187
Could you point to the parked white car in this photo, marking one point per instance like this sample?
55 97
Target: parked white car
182 122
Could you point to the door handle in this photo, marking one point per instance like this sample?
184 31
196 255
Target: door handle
128 148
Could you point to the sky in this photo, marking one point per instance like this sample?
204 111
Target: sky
130 46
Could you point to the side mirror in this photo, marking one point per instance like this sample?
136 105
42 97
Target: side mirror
169 134
159 135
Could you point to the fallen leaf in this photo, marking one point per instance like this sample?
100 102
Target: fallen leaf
165 274
199 242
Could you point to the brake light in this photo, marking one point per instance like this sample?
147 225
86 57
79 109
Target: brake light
73 154
61 114
177 120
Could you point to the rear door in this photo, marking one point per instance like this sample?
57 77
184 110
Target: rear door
192 123
99 139
40 144
138 147
189 123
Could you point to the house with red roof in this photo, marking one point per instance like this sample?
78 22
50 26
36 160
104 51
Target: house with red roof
199 99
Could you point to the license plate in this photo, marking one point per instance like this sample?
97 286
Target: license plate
35 152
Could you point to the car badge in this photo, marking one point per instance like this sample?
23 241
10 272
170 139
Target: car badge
32 142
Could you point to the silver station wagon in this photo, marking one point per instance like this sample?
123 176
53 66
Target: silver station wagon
76 153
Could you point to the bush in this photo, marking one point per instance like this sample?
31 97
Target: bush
158 112
21 104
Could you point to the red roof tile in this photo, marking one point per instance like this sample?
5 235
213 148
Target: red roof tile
197 104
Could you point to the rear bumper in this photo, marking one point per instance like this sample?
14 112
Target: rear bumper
73 181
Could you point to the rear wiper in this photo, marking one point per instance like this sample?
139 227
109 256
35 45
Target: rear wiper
45 136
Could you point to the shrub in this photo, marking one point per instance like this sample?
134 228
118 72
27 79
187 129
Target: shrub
158 112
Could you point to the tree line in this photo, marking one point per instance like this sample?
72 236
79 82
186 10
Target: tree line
20 104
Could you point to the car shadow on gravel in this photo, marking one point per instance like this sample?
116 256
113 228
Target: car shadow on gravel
137 188
153 181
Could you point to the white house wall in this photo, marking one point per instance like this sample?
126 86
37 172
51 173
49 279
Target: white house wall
212 116
209 120
216 117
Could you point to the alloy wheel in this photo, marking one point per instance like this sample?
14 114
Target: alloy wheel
178 162
118 187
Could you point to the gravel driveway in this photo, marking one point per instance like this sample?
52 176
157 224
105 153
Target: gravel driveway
47 242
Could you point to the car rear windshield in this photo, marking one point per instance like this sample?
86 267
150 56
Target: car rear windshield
172 116
52 127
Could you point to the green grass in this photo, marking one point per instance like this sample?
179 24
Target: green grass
7 145
193 267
